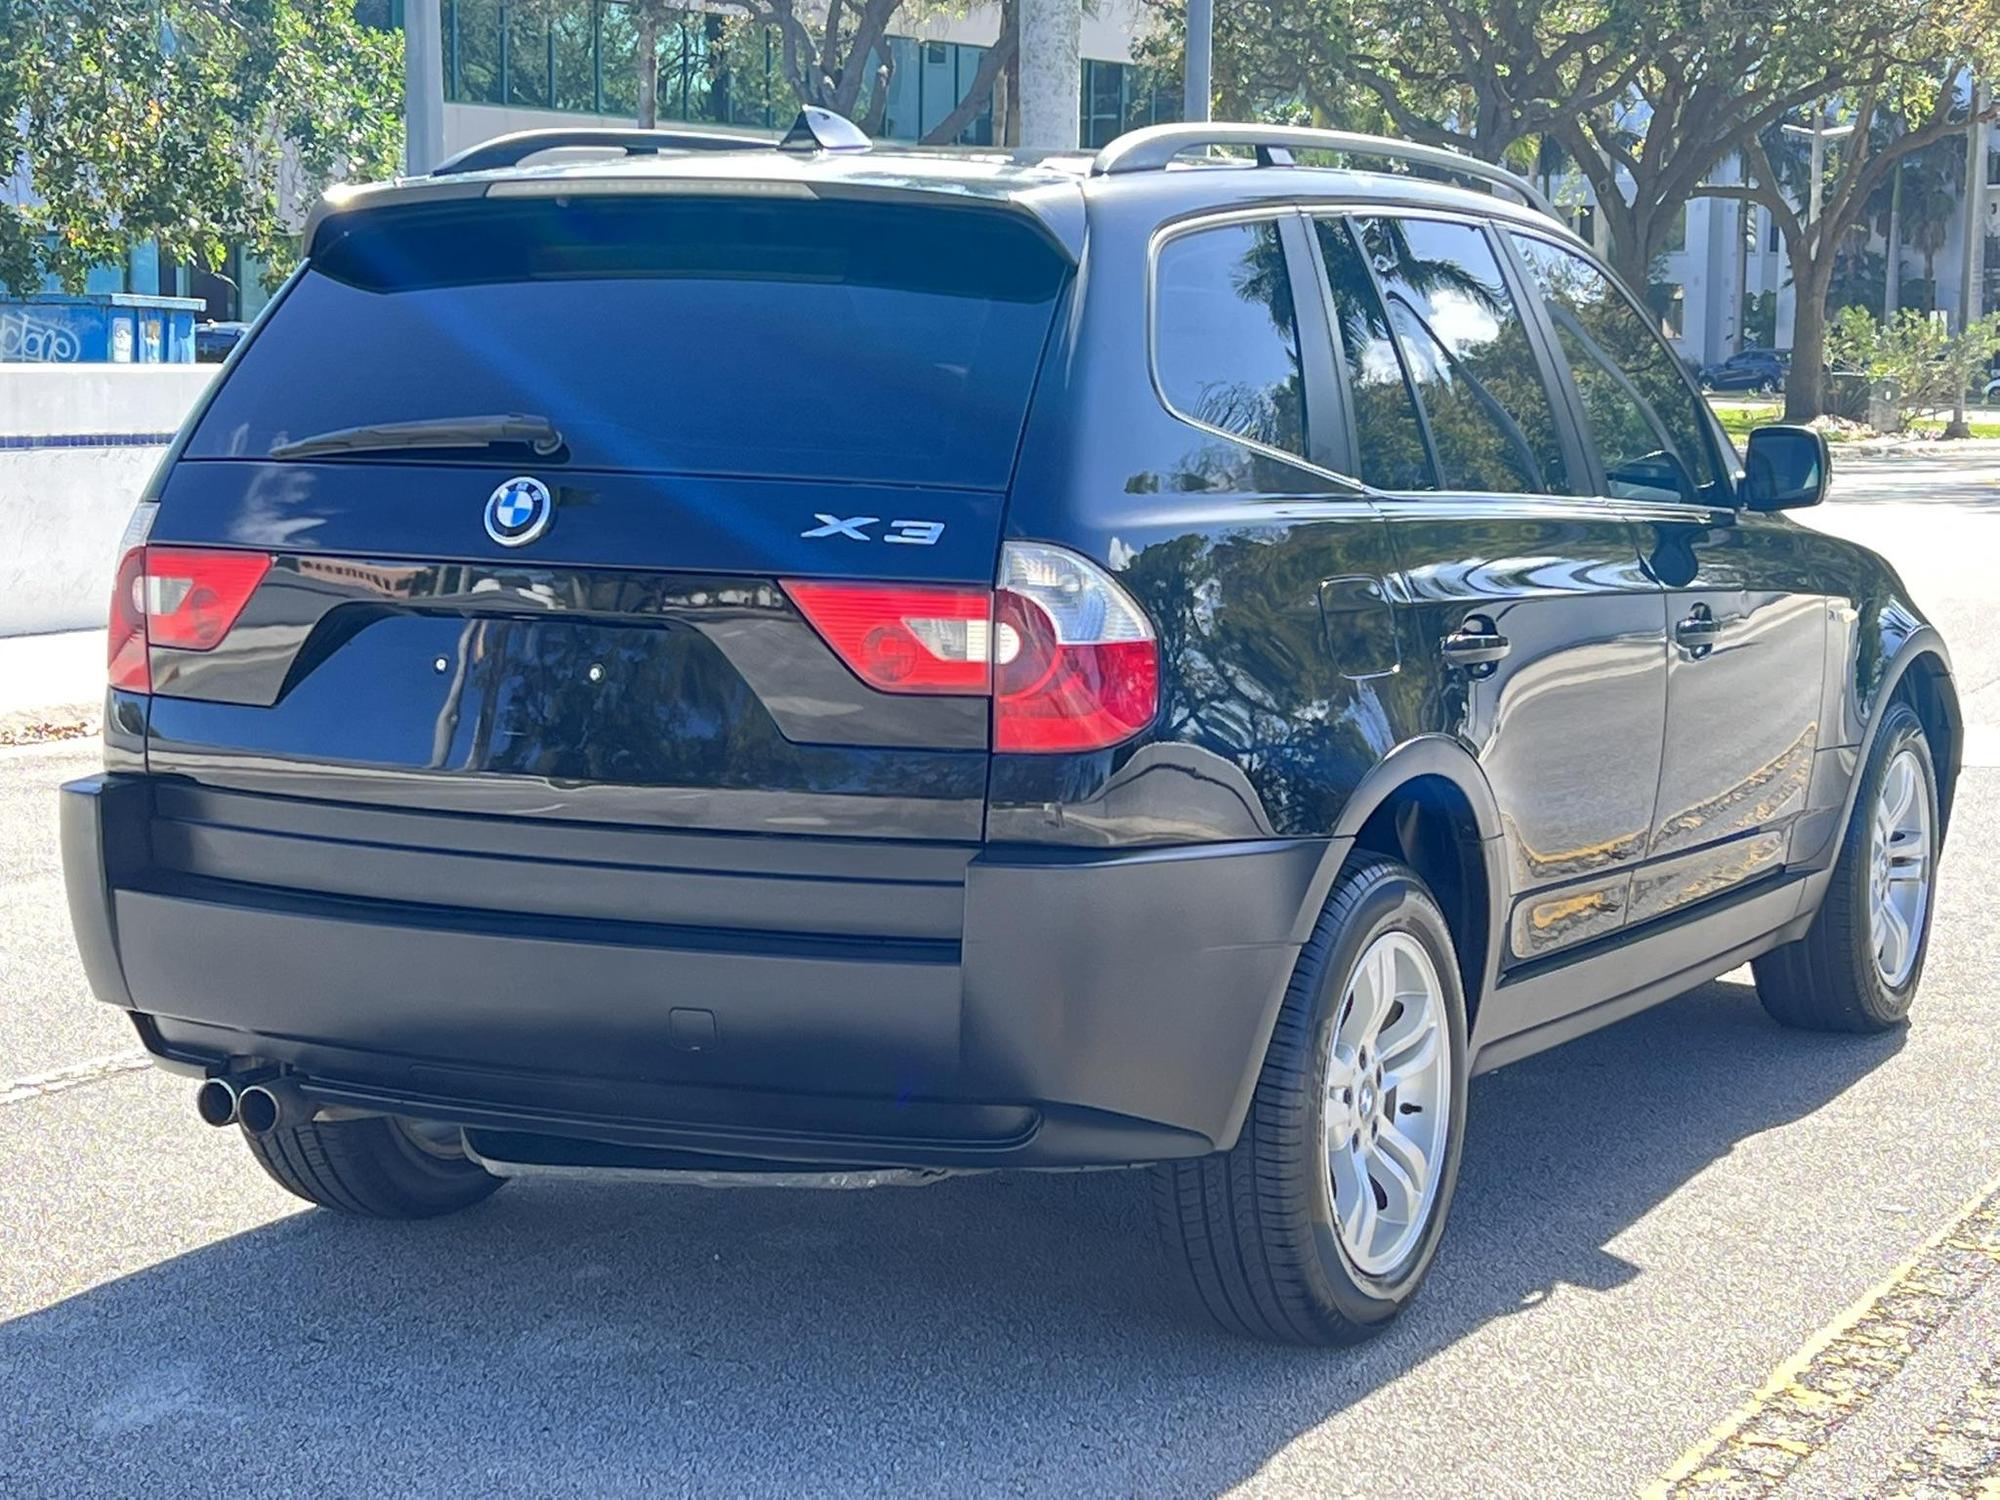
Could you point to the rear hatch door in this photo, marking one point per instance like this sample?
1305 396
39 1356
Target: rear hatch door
532 476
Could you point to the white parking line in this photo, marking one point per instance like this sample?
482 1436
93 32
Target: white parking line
74 1076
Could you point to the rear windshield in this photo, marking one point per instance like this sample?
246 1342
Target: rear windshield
859 341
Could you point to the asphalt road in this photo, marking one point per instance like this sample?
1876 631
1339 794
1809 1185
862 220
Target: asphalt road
1650 1221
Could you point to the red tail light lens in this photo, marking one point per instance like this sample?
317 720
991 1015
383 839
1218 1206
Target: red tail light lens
194 594
184 597
1067 656
129 669
901 639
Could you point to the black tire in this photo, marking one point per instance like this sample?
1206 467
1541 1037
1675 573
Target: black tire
1828 980
372 1168
1250 1231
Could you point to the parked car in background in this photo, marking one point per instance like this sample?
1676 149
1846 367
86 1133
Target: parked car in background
1095 663
1759 370
213 340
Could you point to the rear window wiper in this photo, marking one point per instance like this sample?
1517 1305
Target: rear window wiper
538 433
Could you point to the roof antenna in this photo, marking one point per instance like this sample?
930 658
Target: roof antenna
819 129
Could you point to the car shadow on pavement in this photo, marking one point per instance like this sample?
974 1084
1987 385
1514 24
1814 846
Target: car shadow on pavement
981 1334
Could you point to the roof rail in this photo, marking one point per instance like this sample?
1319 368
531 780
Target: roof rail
1153 147
512 150
814 130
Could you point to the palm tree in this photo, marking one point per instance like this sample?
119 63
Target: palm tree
1932 178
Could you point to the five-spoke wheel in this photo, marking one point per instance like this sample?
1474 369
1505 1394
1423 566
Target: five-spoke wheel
1388 1101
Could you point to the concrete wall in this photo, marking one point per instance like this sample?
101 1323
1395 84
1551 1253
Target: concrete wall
77 445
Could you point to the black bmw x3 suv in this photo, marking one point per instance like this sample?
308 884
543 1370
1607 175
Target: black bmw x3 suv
826 664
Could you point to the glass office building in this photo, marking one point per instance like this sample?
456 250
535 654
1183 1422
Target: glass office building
580 56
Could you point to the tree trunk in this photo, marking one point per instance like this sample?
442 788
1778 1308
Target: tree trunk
1805 394
1632 262
1051 74
984 86
646 21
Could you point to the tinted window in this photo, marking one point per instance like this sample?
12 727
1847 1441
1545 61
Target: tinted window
1224 341
1388 439
1642 414
1491 422
807 340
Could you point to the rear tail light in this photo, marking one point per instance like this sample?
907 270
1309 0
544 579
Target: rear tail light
901 639
187 598
1075 663
1067 656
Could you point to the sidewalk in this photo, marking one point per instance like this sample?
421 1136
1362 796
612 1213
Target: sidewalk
51 686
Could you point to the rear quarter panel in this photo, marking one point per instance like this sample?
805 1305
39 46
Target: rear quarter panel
1281 684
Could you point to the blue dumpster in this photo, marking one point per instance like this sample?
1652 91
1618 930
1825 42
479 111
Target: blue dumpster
122 328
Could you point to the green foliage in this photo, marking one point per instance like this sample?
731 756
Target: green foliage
1283 61
195 122
1928 365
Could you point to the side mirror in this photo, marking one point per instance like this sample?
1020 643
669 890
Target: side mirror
1786 468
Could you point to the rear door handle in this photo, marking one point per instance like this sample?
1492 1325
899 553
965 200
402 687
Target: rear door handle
1699 631
1476 643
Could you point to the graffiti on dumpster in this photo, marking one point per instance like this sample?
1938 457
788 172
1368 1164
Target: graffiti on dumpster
24 336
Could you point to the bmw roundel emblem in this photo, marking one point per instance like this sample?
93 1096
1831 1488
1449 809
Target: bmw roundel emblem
519 511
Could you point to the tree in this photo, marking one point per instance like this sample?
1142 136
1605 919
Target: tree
1286 60
1931 179
997 82
1711 77
1484 76
1926 364
832 53
193 122
1913 107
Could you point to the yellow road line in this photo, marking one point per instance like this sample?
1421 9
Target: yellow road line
1755 1449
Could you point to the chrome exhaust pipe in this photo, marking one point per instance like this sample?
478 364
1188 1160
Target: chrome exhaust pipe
263 1107
215 1101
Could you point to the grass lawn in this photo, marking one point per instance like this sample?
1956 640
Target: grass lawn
1738 416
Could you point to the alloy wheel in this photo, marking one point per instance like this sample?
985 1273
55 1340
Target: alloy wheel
1899 869
1388 1102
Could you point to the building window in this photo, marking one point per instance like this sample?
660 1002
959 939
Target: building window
579 56
1993 169
1118 97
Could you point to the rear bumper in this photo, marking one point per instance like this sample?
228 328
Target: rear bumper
1087 1008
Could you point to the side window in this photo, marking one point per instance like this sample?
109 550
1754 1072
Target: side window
1644 418
1225 343
1388 437
1492 424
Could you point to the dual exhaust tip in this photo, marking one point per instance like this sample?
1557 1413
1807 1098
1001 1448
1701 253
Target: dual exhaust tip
260 1107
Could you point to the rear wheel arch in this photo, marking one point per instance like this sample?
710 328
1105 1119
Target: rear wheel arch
1428 805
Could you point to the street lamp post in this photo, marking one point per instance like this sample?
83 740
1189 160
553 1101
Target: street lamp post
423 85
1197 86
1969 275
1820 133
